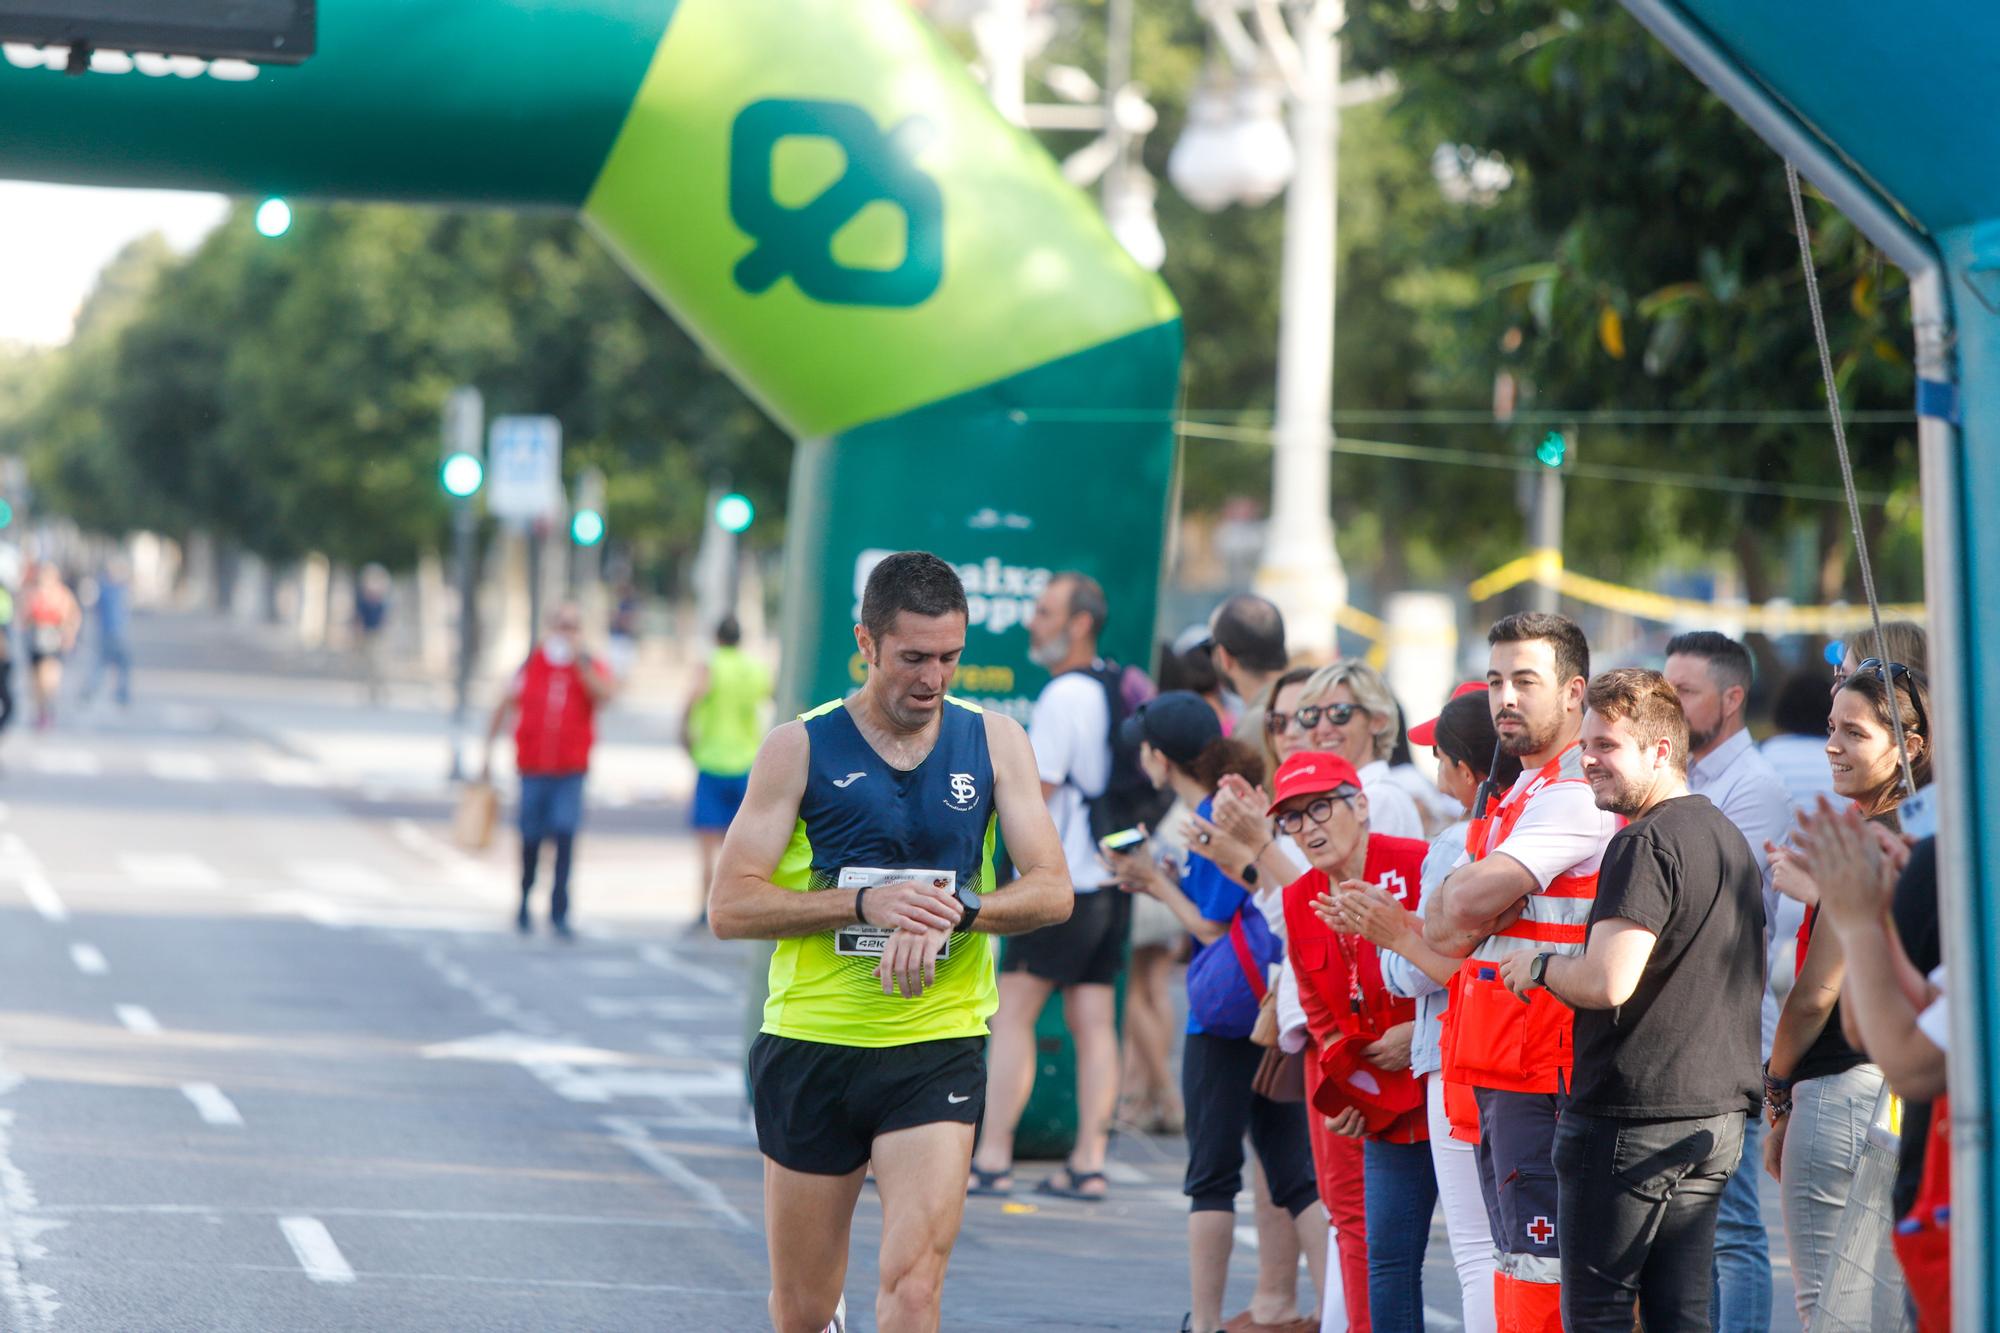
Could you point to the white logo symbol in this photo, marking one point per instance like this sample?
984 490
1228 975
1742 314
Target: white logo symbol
1394 882
956 1097
849 780
963 792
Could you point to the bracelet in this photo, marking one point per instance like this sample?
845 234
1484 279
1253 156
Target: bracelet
1778 1109
860 915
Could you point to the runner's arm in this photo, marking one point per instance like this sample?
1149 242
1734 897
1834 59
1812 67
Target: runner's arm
743 902
1042 895
1472 900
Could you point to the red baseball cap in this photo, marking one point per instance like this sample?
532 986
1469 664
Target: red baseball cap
1311 773
1425 733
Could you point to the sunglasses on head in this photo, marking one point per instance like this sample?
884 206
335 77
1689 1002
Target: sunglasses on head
1307 718
1292 821
1891 672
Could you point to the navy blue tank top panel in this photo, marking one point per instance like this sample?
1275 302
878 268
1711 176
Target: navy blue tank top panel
860 811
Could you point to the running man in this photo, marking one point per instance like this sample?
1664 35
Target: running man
873 1044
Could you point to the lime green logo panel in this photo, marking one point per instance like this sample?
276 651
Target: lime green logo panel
799 242
853 237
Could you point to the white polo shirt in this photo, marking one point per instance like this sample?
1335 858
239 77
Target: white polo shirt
1070 730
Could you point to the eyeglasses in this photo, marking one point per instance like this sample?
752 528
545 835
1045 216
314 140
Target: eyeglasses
1292 821
1307 718
1890 672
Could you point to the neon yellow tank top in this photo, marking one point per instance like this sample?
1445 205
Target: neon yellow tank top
859 812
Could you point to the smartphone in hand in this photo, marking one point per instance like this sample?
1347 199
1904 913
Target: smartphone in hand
1125 840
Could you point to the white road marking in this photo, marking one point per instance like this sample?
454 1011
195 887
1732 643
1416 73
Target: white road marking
707 978
632 1136
285 771
26 1306
169 870
314 1246
521 1048
88 960
66 763
17 862
659 1008
138 1019
464 873
214 1108
179 766
383 1214
341 877
41 895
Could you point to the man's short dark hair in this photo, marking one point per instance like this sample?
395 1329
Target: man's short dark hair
1561 633
1086 597
1728 661
913 581
728 633
1645 700
1801 706
1253 631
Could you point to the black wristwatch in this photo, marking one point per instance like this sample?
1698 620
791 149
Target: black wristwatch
968 898
1539 968
1250 874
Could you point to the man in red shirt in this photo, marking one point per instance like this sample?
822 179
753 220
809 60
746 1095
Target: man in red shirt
557 693
1357 1071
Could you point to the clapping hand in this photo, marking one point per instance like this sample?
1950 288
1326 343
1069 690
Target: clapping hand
1239 810
1854 863
1370 912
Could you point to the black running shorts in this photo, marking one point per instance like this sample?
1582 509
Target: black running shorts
1086 950
820 1107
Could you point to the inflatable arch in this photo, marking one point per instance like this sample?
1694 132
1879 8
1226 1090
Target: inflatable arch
816 189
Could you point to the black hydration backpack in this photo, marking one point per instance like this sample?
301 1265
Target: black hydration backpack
1129 798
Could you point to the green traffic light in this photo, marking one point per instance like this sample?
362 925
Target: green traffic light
273 217
461 475
1551 450
587 527
734 513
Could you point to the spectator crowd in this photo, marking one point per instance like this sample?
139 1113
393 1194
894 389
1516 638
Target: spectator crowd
1612 977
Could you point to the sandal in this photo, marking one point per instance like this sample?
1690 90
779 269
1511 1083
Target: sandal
986 1184
1070 1182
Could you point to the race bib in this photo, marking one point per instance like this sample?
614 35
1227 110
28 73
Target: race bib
861 941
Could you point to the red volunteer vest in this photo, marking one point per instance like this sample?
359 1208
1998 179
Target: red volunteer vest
1340 975
555 730
1491 1039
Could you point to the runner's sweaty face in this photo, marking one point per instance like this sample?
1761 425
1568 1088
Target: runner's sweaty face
912 663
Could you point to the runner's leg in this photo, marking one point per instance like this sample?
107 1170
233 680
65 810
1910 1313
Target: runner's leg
918 1173
559 898
806 1223
1010 1062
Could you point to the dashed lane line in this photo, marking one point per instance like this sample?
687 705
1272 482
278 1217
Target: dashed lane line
25 869
631 1135
213 1107
138 1018
89 959
317 1254
169 870
24 1305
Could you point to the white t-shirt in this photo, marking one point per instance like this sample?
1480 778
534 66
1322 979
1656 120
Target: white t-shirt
1391 810
1070 730
1562 832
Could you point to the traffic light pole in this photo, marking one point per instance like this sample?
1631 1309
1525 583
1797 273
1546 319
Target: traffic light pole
1546 534
465 525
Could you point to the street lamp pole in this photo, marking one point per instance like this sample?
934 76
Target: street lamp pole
1301 570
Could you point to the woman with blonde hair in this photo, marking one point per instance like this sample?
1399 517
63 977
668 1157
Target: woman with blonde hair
1347 709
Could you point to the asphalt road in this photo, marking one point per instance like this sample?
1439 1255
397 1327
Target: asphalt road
273 1058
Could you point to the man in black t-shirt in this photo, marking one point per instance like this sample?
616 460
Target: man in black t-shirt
1667 995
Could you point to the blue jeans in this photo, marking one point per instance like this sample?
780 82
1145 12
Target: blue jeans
1742 1282
1401 1189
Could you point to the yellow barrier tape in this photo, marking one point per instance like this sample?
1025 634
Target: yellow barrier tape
1545 568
